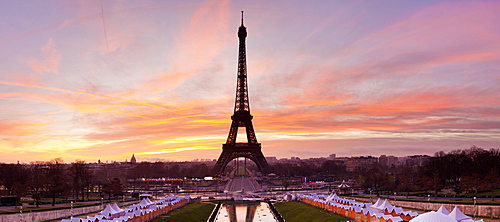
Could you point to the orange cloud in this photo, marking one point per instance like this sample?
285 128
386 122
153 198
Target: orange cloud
84 93
19 127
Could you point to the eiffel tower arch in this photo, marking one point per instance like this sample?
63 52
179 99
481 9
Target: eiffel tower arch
241 118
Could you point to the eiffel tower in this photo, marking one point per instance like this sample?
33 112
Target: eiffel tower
241 118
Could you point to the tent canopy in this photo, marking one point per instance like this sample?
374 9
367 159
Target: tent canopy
432 217
443 210
458 215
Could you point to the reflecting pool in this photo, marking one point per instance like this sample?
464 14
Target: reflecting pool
245 212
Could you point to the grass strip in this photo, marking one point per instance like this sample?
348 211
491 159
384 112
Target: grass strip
299 211
192 212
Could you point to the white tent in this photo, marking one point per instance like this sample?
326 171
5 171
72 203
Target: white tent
443 210
457 215
145 202
432 217
376 204
385 205
332 196
343 185
116 208
108 211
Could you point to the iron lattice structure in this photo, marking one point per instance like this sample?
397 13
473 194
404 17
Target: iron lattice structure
241 118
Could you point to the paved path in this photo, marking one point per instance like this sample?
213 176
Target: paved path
242 185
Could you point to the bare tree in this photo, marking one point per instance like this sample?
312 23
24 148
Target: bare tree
56 184
114 188
38 180
81 178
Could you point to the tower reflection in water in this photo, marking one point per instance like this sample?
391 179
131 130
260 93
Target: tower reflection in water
245 212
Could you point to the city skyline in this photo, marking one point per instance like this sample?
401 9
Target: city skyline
102 80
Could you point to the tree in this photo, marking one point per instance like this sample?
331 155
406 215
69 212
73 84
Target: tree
491 180
405 182
470 183
81 177
330 167
14 178
375 179
285 183
38 180
114 187
431 182
56 180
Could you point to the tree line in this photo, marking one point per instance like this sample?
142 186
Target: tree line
471 171
51 179
79 180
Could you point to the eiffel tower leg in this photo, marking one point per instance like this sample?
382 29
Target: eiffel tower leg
261 161
224 159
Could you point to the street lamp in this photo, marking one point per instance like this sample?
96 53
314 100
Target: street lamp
394 198
429 202
102 203
21 214
71 210
371 196
475 208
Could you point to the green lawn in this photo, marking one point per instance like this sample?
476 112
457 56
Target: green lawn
191 212
299 211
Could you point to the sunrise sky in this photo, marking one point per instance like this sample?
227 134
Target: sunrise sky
81 80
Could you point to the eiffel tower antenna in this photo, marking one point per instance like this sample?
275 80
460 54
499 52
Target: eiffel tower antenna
241 18
241 118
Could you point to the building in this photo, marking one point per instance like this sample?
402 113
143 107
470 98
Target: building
361 162
417 160
133 160
388 161
271 159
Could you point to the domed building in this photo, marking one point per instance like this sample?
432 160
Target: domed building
133 160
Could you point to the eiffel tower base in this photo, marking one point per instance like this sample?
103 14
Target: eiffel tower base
247 150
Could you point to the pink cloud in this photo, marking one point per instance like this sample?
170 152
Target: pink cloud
49 63
197 46
20 127
446 33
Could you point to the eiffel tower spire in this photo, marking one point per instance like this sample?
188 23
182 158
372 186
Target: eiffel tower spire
242 103
241 118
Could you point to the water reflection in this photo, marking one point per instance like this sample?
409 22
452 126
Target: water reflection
245 212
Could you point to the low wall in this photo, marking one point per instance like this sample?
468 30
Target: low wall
52 214
482 210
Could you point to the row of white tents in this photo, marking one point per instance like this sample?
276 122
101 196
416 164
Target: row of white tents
381 210
455 215
143 211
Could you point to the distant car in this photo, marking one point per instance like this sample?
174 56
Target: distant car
211 198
